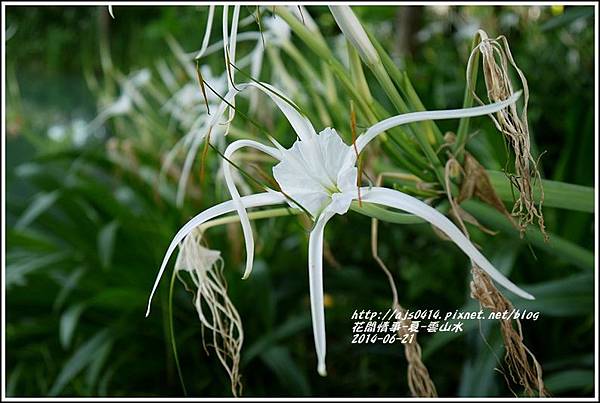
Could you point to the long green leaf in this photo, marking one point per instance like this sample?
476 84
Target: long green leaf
79 360
556 194
556 245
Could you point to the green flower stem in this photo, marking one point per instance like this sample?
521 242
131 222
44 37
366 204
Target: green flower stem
383 214
328 81
414 162
172 334
394 217
463 126
556 245
556 194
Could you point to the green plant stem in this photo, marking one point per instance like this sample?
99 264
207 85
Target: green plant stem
255 215
172 334
383 214
312 79
425 142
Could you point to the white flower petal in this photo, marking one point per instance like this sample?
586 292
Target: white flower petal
399 200
315 277
300 123
412 117
189 160
297 182
209 22
312 169
295 171
347 180
235 196
334 152
256 200
340 202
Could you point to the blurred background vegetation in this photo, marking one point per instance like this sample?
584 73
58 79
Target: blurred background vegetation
87 225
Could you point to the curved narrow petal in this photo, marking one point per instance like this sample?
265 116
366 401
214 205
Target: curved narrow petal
231 56
256 200
207 31
235 196
187 165
315 278
233 39
242 37
225 27
300 123
399 200
412 117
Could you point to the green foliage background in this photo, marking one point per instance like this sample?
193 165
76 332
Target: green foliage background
86 231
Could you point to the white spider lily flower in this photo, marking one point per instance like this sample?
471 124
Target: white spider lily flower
277 29
188 105
130 95
318 174
355 33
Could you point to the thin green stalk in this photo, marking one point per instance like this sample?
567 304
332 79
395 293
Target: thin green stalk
383 214
172 334
358 76
255 215
377 68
